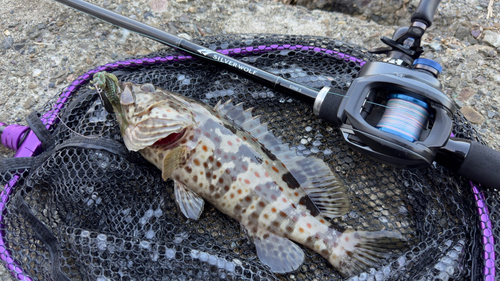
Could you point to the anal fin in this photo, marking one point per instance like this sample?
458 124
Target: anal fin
189 203
280 254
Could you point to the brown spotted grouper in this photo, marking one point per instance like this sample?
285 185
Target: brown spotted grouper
226 156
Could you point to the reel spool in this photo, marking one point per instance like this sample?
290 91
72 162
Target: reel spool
405 117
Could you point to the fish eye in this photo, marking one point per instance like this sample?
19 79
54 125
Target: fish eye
148 88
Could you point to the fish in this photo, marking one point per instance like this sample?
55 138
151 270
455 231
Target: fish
228 157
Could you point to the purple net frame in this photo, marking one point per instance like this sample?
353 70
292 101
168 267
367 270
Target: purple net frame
31 146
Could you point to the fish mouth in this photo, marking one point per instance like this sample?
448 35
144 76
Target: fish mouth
170 139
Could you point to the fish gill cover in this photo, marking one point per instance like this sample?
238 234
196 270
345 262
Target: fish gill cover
87 209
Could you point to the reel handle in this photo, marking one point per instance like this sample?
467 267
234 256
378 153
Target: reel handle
425 11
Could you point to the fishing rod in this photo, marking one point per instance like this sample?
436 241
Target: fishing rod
394 112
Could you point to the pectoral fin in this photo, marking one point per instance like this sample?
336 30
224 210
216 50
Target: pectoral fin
171 161
280 254
190 203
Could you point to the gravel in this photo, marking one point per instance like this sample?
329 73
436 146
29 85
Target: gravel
45 45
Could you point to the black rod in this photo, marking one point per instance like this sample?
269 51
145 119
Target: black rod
425 11
260 76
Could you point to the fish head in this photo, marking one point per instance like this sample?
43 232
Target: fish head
147 115
108 88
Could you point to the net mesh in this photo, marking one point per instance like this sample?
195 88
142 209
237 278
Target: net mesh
90 210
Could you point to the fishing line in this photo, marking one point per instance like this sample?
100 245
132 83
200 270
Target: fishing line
101 132
405 117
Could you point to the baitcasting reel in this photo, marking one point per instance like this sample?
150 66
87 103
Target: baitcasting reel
395 112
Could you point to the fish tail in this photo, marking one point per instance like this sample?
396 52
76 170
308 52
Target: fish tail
358 251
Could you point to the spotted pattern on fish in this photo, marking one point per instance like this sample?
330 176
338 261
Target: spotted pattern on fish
227 157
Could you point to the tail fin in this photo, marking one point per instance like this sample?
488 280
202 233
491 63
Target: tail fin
358 251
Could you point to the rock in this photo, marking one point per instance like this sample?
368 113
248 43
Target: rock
41 26
166 15
31 49
462 32
37 72
475 33
492 38
33 35
454 82
20 73
70 78
491 114
472 115
52 85
19 46
32 86
483 3
184 18
185 36
119 9
480 80
29 103
436 46
125 34
8 42
465 94
148 14
158 5
171 27
488 52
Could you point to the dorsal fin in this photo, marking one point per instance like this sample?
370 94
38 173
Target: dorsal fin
320 183
223 108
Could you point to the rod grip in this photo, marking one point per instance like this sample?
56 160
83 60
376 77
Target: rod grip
425 11
482 164
329 106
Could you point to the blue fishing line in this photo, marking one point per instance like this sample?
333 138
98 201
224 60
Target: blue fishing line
404 117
